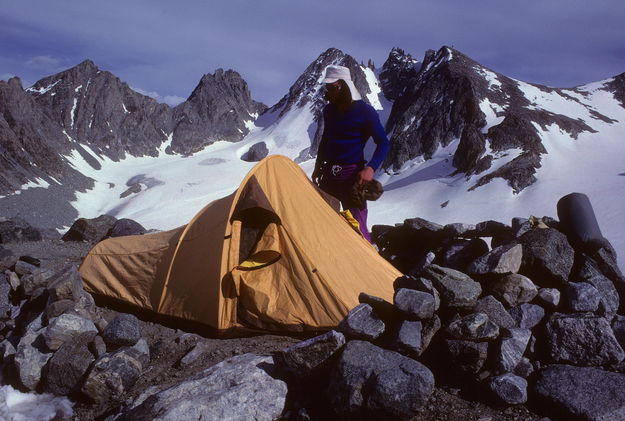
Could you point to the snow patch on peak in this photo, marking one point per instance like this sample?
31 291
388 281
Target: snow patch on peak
374 87
42 91
491 77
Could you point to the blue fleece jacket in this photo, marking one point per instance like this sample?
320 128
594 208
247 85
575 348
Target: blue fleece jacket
345 135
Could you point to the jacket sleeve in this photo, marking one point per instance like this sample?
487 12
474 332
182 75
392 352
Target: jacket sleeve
377 132
322 144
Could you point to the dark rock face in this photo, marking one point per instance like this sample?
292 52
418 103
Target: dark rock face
90 229
398 68
582 340
216 110
370 380
547 257
30 140
443 101
95 108
584 393
256 152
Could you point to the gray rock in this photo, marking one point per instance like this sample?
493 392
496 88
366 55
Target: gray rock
590 272
97 346
457 229
548 298
371 380
511 348
38 278
29 361
475 326
457 289
509 389
495 311
306 356
66 284
414 304
125 226
460 253
123 330
23 268
5 299
66 327
195 353
64 372
526 316
503 259
382 308
547 256
583 393
409 337
429 329
582 296
465 356
114 373
524 368
14 280
418 284
15 230
362 323
56 308
90 229
582 339
256 152
244 387
514 289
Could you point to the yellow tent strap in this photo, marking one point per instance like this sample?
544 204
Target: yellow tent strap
352 222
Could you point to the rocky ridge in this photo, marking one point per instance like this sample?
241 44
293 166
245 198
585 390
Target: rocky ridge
444 102
533 320
93 113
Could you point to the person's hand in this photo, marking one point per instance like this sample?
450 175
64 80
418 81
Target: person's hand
316 175
365 175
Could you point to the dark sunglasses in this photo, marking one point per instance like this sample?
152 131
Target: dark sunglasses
333 86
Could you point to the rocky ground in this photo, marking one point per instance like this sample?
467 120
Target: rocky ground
168 346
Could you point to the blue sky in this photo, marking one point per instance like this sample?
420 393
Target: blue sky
163 47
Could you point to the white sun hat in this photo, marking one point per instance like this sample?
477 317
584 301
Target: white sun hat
334 73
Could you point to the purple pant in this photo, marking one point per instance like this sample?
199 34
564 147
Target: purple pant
338 180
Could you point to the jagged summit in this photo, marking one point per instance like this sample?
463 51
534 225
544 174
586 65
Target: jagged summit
398 68
217 109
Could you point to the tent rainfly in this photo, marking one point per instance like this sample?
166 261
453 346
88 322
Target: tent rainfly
273 255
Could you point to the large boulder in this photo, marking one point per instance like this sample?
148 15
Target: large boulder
582 339
64 372
458 253
90 230
547 256
512 345
304 357
377 382
362 323
588 271
125 226
29 359
514 290
123 330
509 388
501 260
582 297
415 305
256 152
495 311
114 373
66 327
244 387
580 393
464 357
474 326
457 290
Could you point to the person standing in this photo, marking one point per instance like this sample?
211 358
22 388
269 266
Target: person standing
349 122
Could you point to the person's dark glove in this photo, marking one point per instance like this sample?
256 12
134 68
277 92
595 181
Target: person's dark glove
316 175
